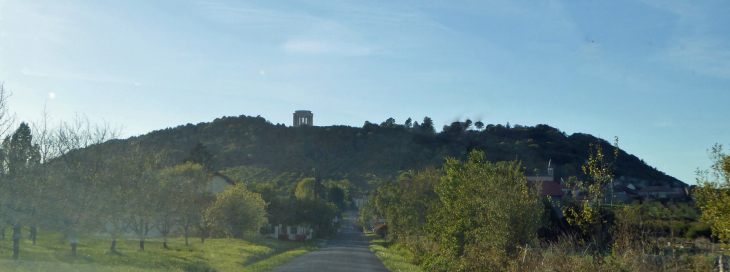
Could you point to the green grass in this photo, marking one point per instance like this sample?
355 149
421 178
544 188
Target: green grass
391 257
53 253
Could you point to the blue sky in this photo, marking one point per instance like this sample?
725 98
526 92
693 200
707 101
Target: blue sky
654 73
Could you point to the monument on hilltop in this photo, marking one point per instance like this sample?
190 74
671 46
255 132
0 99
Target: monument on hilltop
303 117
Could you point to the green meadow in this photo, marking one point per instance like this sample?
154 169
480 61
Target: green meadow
53 253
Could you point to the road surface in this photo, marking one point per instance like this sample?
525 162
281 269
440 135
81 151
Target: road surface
350 251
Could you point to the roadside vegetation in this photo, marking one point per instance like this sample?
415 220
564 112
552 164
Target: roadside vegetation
93 254
480 216
393 258
72 193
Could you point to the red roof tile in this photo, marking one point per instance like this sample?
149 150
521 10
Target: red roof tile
551 188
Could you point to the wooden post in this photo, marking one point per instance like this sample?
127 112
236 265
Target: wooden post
719 262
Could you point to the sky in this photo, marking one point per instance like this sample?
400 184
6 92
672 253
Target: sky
656 74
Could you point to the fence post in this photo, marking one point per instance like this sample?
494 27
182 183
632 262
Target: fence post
719 262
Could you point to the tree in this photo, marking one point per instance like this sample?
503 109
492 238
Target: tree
591 214
486 211
336 195
80 176
479 125
409 123
238 210
7 119
427 125
390 122
20 157
467 124
713 195
199 154
305 189
184 186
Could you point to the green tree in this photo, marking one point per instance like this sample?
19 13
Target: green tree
479 125
183 188
238 210
390 122
199 154
486 211
336 195
409 123
305 189
713 195
21 157
427 125
591 214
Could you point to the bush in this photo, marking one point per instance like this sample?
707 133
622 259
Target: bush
267 230
382 230
283 236
699 229
238 210
301 237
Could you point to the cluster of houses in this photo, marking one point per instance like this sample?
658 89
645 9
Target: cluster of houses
621 190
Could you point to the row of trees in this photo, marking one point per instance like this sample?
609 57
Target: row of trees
76 179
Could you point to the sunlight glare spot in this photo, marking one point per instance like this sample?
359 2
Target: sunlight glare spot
52 95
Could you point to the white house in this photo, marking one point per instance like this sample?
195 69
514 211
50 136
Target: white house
219 182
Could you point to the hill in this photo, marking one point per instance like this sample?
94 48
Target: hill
381 151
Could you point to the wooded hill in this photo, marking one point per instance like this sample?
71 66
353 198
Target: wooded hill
380 151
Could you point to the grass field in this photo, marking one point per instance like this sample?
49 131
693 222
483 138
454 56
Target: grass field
53 253
392 258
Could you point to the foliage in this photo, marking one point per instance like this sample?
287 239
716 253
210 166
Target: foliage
305 189
392 258
238 210
199 154
714 195
382 230
224 254
591 215
486 212
342 152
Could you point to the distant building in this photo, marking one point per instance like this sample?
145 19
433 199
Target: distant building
360 199
543 176
656 192
218 183
303 117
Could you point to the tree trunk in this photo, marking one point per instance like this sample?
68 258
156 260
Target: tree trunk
16 242
141 244
202 238
114 245
3 232
186 236
164 242
73 248
33 233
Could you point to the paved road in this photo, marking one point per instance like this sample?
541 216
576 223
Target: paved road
348 252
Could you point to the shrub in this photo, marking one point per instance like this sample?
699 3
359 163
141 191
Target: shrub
699 229
238 210
283 236
486 211
382 230
269 229
301 237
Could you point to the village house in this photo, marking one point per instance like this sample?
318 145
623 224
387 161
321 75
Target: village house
658 192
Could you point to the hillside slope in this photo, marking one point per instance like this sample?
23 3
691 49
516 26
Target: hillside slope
384 150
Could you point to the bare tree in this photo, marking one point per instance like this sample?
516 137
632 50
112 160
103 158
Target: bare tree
7 119
79 192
